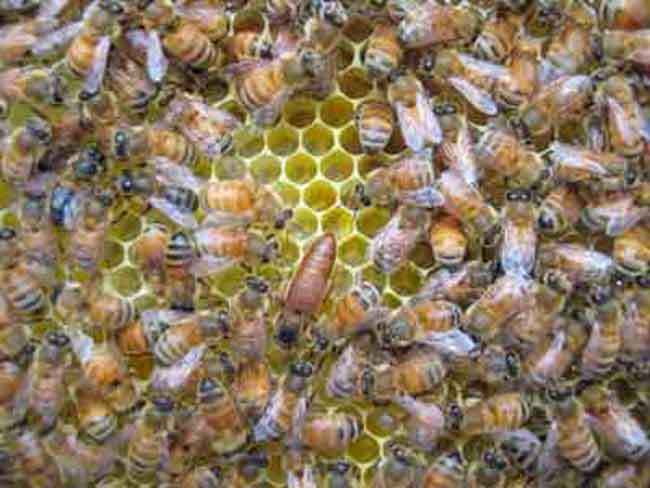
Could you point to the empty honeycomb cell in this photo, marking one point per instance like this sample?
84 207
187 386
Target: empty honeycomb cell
10 219
300 168
422 256
357 29
372 274
344 55
275 471
203 168
337 166
6 194
318 139
320 195
145 302
249 142
230 168
339 221
230 280
370 162
355 83
266 169
282 140
391 300
353 251
235 109
342 281
383 421
405 280
113 254
299 111
126 281
248 20
396 143
625 391
364 449
289 193
141 366
370 220
127 227
336 111
216 89
349 139
290 250
303 224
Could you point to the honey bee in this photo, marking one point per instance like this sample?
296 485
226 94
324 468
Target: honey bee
497 38
26 145
623 475
430 23
568 95
426 422
392 245
631 46
448 241
29 37
95 417
330 433
383 53
494 367
628 15
210 17
519 241
110 313
462 286
12 401
279 413
248 45
559 211
602 349
24 293
344 377
202 477
415 115
357 311
623 436
397 469
86 247
415 375
134 90
634 332
149 252
37 234
305 477
499 413
36 463
33 85
570 51
179 256
446 471
148 445
505 298
612 214
182 377
632 251
575 262
46 386
87 55
599 170
501 154
521 447
375 123
252 388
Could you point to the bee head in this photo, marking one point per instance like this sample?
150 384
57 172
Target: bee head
334 12
600 295
163 404
57 339
513 364
494 461
395 333
341 468
121 144
304 369
209 390
40 129
454 417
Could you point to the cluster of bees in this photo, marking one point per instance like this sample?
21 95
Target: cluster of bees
507 140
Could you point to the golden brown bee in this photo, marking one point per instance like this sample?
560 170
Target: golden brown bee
210 17
35 461
425 424
623 436
357 311
310 282
12 384
420 373
519 238
25 147
507 411
506 297
25 294
407 180
247 45
252 388
147 447
344 378
462 286
383 53
495 367
522 449
568 95
149 251
286 402
95 417
430 23
330 433
497 38
393 244
612 213
448 241
129 81
37 233
631 46
397 469
576 262
110 313
179 257
375 123
570 51
139 337
559 211
602 349
632 251
86 246
100 110
32 85
629 15
501 154
447 471
150 142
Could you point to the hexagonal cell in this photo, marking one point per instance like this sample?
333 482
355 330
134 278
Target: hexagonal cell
248 20
349 139
249 142
289 194
145 302
230 168
231 280
370 162
354 251
372 274
406 280
113 254
290 251
303 224
266 169
391 300
318 139
282 140
383 421
344 55
336 111
6 194
339 221
320 195
216 89
126 281
364 449
372 219
126 228
358 29
337 166
300 168
299 111
355 83
341 281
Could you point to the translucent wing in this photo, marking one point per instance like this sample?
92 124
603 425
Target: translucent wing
243 67
182 218
209 265
454 343
157 63
51 8
150 318
426 197
478 98
57 40
460 156
95 76
429 121
170 173
570 156
622 221
82 344
484 69
220 218
173 377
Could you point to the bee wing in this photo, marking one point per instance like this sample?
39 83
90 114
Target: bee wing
95 76
622 221
56 40
426 197
477 97
82 344
566 155
418 125
219 218
209 265
620 120
175 376
298 422
640 56
235 70
171 173
453 342
460 156
49 9
184 219
150 318
157 63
